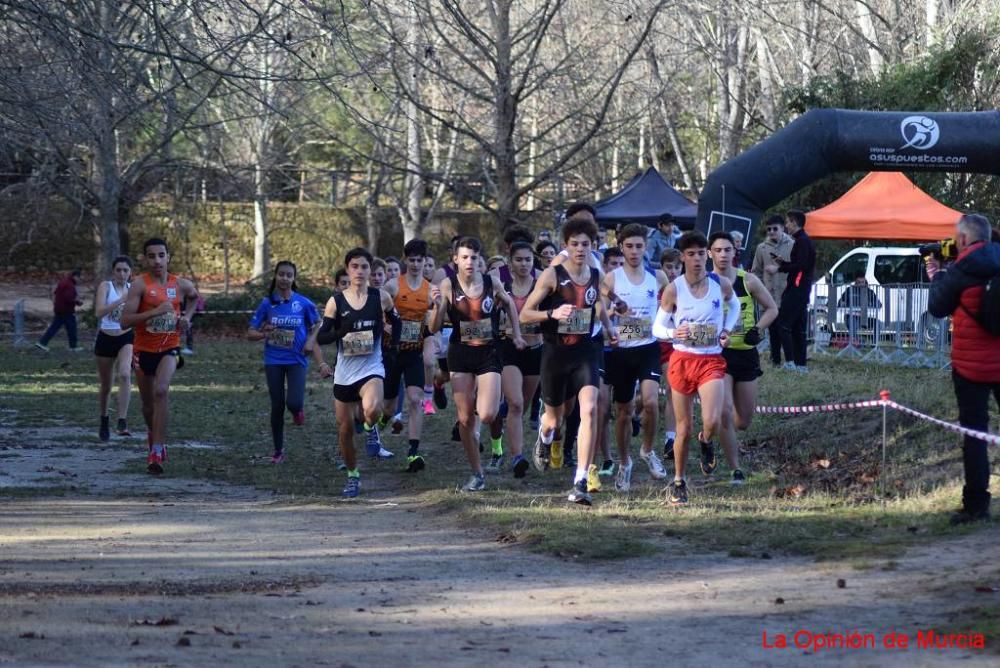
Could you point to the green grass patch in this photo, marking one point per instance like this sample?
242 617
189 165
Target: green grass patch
816 488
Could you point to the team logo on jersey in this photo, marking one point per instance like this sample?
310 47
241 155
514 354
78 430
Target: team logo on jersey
488 305
171 293
649 294
716 303
590 296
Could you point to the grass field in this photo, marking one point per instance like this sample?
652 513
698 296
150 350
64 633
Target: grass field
814 486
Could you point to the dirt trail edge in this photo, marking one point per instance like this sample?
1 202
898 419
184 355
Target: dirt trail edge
122 569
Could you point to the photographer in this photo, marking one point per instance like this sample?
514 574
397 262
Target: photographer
957 290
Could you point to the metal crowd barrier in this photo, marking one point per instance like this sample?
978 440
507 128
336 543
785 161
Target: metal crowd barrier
886 324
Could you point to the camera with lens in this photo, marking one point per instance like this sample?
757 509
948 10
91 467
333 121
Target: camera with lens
945 250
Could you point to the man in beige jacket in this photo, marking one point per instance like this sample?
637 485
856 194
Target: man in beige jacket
776 241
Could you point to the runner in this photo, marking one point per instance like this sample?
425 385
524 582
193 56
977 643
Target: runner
113 348
393 268
153 307
637 357
341 280
413 304
287 323
742 359
354 320
520 366
473 303
567 300
695 302
670 263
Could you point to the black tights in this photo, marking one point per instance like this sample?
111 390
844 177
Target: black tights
276 374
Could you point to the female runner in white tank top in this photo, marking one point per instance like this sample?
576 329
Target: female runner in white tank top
113 347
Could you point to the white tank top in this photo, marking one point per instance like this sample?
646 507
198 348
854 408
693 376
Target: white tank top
111 322
703 316
636 328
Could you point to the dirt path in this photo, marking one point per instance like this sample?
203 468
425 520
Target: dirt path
241 577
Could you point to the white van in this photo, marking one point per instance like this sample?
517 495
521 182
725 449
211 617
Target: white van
898 279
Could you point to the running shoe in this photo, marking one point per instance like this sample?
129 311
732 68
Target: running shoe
352 488
278 458
429 407
41 346
341 466
593 479
668 449
678 493
623 481
738 477
539 454
384 454
496 463
556 454
299 418
373 444
397 424
440 397
79 349
122 428
655 465
520 466
104 433
579 494
154 461
186 351
414 463
477 483
607 469
708 461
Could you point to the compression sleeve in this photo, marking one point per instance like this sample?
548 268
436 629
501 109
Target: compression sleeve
663 325
732 312
330 332
396 324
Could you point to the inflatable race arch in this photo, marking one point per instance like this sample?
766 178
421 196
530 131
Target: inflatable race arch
824 141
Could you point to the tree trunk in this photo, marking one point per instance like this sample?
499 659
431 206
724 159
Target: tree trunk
414 182
109 188
261 247
504 119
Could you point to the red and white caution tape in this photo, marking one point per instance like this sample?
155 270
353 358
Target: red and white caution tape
820 408
884 400
989 438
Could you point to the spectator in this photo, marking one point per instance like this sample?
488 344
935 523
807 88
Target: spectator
957 290
794 311
859 300
65 299
776 242
660 239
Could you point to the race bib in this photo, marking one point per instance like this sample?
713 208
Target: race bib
476 332
634 329
702 335
281 338
358 343
578 322
116 315
410 332
165 323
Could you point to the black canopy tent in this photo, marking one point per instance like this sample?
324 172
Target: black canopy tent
643 200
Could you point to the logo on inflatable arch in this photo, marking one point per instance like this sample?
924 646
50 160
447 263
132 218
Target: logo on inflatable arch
919 132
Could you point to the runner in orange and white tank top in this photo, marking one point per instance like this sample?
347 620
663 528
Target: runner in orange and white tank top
705 309
153 309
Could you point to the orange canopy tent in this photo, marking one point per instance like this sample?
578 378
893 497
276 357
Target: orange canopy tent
883 205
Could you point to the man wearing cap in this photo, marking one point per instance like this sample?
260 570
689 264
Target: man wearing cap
777 242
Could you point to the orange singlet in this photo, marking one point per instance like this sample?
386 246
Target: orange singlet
412 306
160 333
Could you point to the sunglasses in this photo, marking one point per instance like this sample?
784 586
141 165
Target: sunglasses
773 229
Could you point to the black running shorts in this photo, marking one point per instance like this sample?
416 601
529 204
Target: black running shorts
565 370
742 365
476 360
350 394
148 362
626 366
109 346
529 360
409 366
